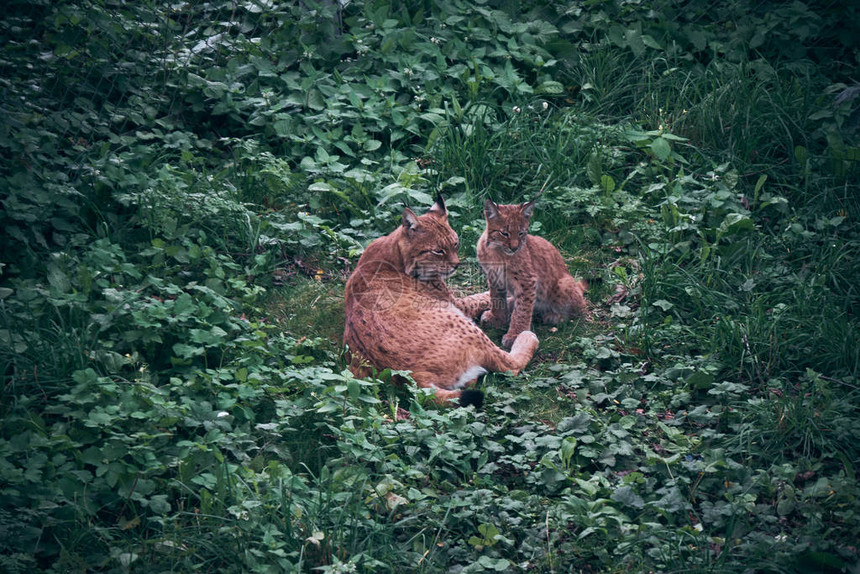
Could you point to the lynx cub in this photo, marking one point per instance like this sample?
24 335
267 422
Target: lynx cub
401 315
524 272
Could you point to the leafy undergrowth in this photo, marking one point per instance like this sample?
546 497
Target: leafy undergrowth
186 188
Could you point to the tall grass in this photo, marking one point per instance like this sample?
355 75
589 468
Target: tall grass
506 154
753 114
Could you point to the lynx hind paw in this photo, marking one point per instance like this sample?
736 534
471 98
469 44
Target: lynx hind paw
525 340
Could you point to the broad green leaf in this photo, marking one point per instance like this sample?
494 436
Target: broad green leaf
801 155
736 223
58 278
550 87
319 186
627 495
697 37
649 41
607 183
594 169
661 148
187 351
700 380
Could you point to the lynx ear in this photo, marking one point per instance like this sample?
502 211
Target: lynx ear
528 208
410 220
491 210
439 206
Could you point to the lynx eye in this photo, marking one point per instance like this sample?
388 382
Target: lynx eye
522 233
439 252
504 234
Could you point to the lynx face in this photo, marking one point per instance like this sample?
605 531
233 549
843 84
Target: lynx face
507 225
429 245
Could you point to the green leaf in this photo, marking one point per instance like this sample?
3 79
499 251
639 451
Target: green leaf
159 504
697 38
567 450
550 87
187 351
58 278
700 380
497 564
99 418
93 456
353 388
282 128
319 186
627 496
801 155
607 183
661 148
758 185
736 223
627 422
651 42
316 100
594 169
785 507
633 39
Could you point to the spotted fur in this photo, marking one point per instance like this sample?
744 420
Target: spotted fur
401 315
525 273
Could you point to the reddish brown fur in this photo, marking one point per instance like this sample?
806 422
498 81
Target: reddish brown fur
401 315
525 273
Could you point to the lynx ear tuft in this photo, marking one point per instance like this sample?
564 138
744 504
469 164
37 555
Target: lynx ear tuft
528 208
410 220
491 210
439 206
472 397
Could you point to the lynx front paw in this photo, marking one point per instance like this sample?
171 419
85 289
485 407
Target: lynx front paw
508 339
491 319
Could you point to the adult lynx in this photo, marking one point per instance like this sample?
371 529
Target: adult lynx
525 273
401 315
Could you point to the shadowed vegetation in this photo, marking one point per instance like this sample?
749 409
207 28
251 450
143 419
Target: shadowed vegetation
185 187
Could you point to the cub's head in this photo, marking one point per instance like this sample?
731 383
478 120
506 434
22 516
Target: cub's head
428 244
507 225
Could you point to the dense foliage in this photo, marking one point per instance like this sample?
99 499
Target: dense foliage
184 187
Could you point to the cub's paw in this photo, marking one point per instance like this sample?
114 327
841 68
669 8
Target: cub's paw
508 339
474 305
491 319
